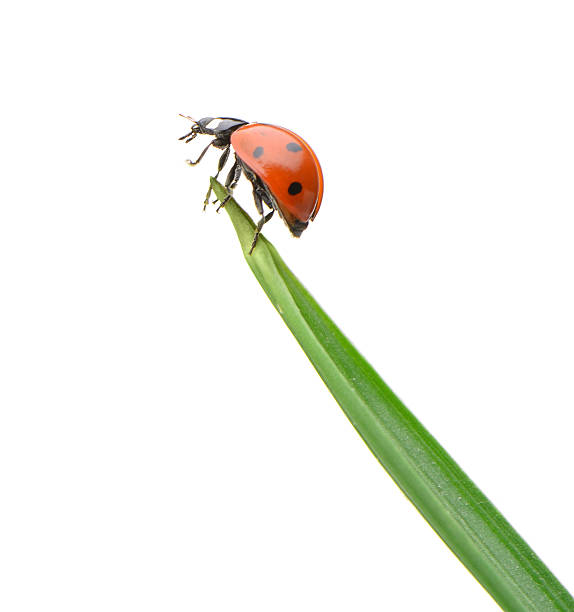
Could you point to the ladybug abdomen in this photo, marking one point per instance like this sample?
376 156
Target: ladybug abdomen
288 167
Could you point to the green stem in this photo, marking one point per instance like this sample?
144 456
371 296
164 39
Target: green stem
451 503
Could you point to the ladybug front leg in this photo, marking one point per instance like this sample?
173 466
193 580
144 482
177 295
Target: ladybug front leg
194 163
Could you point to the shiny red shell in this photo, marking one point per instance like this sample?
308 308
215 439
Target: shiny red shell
287 166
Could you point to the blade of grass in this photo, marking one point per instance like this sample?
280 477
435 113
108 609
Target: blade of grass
451 503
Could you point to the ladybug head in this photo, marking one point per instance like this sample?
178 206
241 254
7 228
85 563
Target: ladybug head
195 129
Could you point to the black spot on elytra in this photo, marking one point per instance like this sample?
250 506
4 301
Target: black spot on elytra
258 152
295 188
293 147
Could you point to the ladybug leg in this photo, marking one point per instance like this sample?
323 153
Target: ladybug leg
189 136
222 161
234 176
260 198
194 163
258 228
231 182
257 196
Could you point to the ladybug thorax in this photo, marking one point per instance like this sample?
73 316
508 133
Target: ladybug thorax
220 126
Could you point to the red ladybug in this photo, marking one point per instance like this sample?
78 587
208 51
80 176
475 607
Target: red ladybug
283 170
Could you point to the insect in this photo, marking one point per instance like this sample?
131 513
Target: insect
283 170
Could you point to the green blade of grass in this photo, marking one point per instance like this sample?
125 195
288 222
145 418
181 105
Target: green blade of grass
451 503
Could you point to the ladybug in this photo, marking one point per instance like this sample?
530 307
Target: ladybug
283 170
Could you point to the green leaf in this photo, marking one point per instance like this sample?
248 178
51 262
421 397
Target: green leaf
451 503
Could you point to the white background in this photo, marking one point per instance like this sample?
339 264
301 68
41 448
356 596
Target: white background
164 443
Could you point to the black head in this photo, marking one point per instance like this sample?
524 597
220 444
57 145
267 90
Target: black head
220 127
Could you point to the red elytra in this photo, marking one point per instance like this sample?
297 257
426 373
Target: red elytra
288 167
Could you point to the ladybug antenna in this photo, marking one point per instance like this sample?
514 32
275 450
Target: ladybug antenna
188 117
